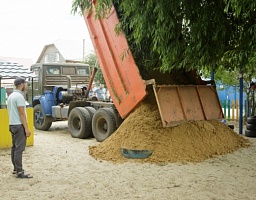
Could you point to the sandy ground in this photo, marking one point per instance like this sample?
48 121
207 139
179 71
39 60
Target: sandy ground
63 169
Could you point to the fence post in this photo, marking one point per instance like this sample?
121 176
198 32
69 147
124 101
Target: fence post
233 109
228 102
237 109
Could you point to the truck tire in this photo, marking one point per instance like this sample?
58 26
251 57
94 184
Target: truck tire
80 123
91 111
103 124
250 133
40 120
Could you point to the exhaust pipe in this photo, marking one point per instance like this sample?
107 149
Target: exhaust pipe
69 81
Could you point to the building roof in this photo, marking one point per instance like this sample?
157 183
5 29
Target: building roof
26 62
10 70
70 49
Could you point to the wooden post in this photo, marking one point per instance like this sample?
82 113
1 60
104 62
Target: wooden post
228 109
237 106
233 109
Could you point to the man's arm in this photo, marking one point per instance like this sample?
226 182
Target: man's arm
23 119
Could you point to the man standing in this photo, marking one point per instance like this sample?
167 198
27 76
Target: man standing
101 92
18 126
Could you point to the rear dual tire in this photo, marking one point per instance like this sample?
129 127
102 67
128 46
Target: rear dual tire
80 123
85 122
103 124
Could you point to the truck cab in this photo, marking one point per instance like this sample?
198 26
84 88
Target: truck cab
50 75
55 86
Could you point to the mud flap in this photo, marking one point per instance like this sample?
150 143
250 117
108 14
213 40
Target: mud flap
182 103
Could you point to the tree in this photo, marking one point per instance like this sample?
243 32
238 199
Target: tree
242 53
92 60
169 35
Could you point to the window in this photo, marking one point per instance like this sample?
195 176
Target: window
69 71
55 70
57 57
82 71
46 58
36 71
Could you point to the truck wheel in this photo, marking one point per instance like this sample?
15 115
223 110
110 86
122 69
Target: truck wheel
40 120
80 123
91 111
103 124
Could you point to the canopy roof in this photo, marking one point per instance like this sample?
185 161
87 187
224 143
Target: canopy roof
10 70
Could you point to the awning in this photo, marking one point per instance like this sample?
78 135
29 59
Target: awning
9 70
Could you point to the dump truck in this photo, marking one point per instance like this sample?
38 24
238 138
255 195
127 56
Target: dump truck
60 92
89 117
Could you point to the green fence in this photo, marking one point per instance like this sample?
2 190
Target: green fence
3 96
230 108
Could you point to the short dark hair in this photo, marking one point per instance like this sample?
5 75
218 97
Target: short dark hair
19 80
251 84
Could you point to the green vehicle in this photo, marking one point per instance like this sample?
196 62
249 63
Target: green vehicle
50 75
60 92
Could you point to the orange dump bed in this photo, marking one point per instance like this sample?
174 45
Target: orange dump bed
120 72
181 103
177 104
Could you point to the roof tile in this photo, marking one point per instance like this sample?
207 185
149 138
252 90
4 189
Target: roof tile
13 70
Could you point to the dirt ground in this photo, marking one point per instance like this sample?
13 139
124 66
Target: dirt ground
63 169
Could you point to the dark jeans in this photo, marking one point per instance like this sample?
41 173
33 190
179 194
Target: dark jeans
18 145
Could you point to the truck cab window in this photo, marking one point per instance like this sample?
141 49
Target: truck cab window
82 71
69 71
53 70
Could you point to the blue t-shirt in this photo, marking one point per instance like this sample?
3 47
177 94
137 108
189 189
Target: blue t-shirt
15 100
100 93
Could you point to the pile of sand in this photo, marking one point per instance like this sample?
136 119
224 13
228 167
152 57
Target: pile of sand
189 142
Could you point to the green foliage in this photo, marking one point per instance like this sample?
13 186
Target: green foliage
92 60
227 77
174 34
103 6
242 51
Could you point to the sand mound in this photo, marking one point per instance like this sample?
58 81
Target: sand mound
189 142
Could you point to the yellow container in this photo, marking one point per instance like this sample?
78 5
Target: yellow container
5 135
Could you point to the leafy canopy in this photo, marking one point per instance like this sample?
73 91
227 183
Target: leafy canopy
173 34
